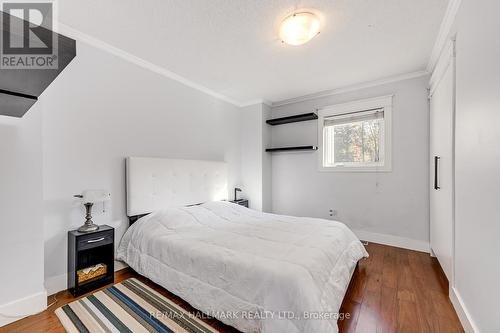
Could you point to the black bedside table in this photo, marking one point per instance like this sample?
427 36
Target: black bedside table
86 250
241 202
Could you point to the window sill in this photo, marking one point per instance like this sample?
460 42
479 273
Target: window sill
355 169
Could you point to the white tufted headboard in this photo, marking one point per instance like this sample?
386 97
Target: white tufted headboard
156 183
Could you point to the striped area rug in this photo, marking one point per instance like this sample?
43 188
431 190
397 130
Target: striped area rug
129 306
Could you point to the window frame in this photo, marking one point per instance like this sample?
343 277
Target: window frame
384 102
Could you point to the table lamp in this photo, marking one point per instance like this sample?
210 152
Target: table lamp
236 190
88 198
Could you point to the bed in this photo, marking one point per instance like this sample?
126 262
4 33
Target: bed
255 271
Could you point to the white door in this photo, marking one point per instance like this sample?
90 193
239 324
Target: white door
442 104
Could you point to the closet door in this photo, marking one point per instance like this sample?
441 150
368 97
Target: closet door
442 110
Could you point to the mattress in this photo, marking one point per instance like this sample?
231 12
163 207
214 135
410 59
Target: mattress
255 271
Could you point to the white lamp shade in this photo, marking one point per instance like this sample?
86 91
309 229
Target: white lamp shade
93 196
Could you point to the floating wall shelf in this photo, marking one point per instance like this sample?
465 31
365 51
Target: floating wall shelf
297 148
292 119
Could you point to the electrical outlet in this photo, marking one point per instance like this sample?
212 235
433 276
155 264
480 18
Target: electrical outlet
332 212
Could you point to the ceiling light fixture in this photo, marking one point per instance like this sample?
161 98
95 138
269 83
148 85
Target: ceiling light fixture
299 28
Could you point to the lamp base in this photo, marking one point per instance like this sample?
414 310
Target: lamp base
88 228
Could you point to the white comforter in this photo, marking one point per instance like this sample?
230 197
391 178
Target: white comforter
257 272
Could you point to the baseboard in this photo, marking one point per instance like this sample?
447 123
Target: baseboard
397 241
23 307
55 284
119 265
462 313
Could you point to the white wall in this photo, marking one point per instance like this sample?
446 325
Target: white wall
102 109
21 226
267 185
394 203
477 220
255 137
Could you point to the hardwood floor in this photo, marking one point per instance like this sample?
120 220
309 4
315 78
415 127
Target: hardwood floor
395 290
398 290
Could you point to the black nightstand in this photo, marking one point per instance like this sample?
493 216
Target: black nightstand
241 202
87 250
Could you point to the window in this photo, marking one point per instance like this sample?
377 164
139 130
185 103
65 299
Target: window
356 136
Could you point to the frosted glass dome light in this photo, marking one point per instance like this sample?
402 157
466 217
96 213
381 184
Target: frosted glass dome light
299 28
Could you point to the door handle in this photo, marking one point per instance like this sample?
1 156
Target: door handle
436 171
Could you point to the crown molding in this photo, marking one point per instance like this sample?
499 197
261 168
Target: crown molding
99 44
444 33
445 59
256 101
350 88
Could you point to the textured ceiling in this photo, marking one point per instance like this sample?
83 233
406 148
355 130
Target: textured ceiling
231 46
